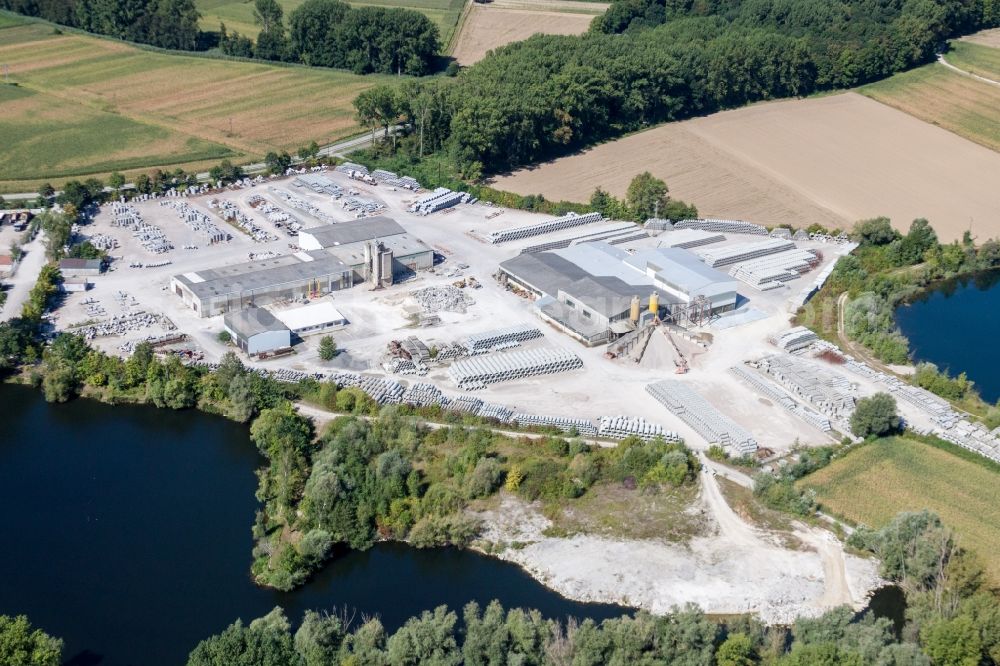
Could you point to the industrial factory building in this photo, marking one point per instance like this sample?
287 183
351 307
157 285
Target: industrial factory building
332 257
256 331
300 275
375 248
596 291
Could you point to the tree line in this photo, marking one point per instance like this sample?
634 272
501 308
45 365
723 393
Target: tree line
326 33
169 24
547 95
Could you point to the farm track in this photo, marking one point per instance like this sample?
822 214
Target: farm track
947 64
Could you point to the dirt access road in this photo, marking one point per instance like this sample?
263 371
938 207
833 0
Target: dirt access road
836 589
24 278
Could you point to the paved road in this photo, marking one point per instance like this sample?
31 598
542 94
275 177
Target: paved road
965 73
339 149
24 279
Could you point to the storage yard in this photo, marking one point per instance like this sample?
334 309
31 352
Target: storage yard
428 307
821 160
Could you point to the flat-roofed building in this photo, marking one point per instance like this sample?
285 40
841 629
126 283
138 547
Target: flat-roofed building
311 319
79 267
256 331
376 248
681 274
301 275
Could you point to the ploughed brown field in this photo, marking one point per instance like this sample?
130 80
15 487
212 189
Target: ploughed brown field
504 21
831 160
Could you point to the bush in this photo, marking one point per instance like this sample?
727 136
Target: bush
224 337
484 479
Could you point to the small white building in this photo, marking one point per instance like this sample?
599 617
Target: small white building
311 319
256 331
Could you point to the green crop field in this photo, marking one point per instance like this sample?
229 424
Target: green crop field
47 137
873 483
975 58
89 105
238 14
945 98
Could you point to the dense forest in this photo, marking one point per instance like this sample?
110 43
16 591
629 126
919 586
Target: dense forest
645 63
328 33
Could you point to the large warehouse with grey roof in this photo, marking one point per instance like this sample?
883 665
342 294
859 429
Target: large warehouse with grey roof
332 257
596 291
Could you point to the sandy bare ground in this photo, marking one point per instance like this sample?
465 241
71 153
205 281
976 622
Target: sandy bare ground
985 37
831 160
739 569
490 26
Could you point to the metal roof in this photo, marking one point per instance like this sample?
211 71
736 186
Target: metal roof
368 228
73 263
606 292
252 321
307 316
262 274
683 270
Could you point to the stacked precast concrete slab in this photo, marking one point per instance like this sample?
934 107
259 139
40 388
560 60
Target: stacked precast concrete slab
706 420
565 222
828 392
614 231
769 390
480 371
795 339
725 256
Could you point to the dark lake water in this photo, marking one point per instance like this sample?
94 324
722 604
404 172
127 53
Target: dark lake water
127 533
956 326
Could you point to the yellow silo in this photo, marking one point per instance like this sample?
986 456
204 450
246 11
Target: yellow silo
654 302
634 312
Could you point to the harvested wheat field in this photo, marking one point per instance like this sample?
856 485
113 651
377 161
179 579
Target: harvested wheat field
490 26
831 160
989 37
